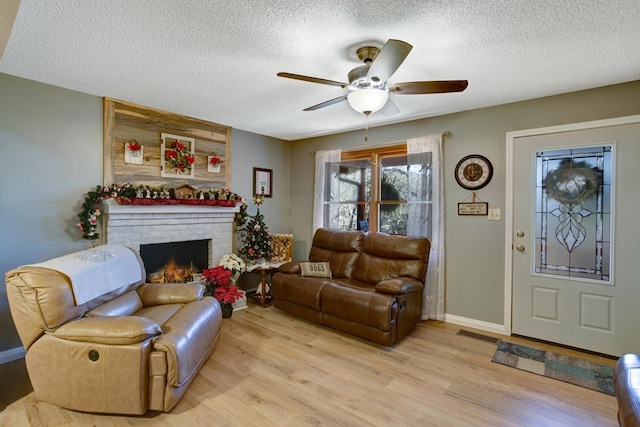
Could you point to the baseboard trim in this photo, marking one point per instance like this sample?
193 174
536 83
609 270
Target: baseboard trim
11 355
476 324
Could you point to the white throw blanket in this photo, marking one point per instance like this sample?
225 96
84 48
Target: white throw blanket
97 271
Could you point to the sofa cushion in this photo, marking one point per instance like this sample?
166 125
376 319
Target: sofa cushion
315 269
159 313
123 305
340 248
114 330
169 293
304 291
358 302
387 256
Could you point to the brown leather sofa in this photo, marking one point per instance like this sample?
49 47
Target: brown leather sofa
626 382
375 291
132 349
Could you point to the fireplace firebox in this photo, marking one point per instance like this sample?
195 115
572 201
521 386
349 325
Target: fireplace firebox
175 262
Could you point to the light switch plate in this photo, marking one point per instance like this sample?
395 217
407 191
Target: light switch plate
495 214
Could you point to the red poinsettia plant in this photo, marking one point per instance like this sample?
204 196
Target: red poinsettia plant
134 145
215 160
219 280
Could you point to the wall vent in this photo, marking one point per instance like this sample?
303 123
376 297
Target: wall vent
477 336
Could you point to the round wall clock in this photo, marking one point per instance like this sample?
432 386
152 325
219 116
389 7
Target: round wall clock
473 172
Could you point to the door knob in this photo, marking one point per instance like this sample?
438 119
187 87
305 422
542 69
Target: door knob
520 248
520 233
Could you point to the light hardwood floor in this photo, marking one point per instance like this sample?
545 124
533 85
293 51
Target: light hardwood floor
272 369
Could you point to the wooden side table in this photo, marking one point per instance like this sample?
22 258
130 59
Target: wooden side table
263 269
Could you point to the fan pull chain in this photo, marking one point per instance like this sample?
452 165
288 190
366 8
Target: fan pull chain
366 130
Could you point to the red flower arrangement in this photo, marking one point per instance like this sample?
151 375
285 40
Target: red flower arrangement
134 146
215 160
178 157
219 278
219 275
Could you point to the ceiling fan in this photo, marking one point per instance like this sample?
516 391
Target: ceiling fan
368 87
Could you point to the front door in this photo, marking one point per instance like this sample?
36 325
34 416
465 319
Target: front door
576 235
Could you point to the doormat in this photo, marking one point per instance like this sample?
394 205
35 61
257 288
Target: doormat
594 376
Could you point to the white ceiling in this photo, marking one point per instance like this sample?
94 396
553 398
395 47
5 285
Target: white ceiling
217 60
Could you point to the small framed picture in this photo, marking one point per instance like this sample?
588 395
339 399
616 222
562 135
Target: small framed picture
263 182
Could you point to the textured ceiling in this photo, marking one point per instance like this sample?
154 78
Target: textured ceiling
217 60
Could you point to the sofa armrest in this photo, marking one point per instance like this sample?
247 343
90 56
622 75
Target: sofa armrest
292 267
111 330
169 293
191 334
399 286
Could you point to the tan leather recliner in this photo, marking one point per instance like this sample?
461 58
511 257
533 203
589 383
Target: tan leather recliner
132 349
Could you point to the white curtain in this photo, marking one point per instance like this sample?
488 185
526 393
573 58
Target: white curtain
426 215
319 200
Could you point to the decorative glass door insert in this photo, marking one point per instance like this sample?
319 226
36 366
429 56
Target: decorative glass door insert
573 212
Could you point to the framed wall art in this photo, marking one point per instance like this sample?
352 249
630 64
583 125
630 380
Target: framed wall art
133 152
177 156
263 182
478 208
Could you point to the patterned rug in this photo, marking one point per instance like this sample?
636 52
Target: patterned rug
580 372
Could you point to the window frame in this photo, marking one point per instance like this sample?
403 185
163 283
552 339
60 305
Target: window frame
375 155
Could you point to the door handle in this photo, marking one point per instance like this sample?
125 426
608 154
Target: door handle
520 233
520 248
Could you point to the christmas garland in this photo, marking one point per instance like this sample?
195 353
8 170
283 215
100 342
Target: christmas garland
90 212
88 216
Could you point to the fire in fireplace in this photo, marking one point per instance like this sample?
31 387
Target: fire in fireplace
175 262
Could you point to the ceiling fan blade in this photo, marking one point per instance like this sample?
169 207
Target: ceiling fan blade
326 103
389 109
436 86
313 79
391 56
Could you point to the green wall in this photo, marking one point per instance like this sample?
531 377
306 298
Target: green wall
474 246
51 141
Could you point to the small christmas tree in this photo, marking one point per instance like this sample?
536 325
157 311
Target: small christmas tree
256 238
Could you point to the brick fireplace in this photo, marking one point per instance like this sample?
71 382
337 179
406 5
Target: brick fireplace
135 225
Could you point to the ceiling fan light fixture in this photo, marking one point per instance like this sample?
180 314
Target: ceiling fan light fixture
367 100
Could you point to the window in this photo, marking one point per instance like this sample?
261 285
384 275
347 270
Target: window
396 189
353 203
574 212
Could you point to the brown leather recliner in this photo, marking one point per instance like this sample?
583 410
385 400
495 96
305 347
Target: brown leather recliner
376 287
626 381
132 349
